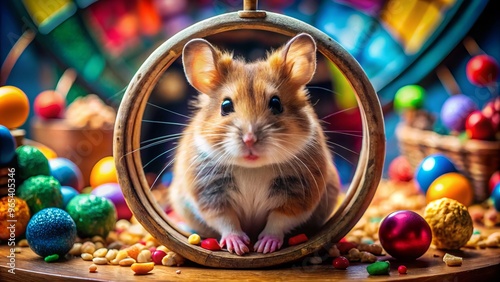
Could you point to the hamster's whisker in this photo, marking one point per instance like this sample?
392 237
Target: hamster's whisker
155 158
161 172
119 93
308 155
324 89
150 145
164 122
339 112
343 147
340 155
343 133
168 111
170 136
299 161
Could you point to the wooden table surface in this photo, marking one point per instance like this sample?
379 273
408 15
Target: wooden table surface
479 265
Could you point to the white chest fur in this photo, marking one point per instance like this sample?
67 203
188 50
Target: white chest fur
252 202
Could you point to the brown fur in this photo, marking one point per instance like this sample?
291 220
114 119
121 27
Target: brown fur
291 145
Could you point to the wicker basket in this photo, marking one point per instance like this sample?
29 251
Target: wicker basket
476 159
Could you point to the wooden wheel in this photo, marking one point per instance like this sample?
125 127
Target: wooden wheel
128 127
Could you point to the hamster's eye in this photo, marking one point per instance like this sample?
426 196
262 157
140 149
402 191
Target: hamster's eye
226 107
275 105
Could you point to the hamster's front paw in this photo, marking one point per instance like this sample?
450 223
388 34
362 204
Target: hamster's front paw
268 243
236 243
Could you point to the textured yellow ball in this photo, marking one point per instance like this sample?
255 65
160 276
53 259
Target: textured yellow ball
15 209
450 222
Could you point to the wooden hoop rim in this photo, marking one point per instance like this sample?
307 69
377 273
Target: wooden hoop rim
127 143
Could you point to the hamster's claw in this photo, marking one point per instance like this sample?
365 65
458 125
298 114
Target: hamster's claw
236 243
268 244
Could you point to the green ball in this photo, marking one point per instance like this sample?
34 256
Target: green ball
41 192
31 162
92 214
409 97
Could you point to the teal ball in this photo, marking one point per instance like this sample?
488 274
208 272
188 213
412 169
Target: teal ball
68 193
51 231
92 214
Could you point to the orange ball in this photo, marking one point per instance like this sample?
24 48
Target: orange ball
104 171
14 107
451 185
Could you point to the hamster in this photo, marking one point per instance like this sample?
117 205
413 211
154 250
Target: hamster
253 163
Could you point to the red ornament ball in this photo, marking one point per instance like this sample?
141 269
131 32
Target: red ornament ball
400 169
402 269
405 235
482 70
478 126
49 104
340 263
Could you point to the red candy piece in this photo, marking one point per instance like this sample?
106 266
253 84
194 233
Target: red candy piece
158 256
210 244
340 263
295 240
402 269
344 247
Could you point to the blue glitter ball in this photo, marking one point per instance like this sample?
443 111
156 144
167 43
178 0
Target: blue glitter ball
51 231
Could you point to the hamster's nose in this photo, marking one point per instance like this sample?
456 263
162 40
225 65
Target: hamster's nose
249 139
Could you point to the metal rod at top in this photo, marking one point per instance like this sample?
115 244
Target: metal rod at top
250 10
250 5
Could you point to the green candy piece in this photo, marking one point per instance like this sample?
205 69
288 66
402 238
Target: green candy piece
31 162
378 268
51 258
409 97
41 192
92 214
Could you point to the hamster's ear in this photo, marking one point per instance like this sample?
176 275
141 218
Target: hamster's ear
199 59
300 59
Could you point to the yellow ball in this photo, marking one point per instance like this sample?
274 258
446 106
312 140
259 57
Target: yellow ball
14 107
104 171
450 222
451 185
